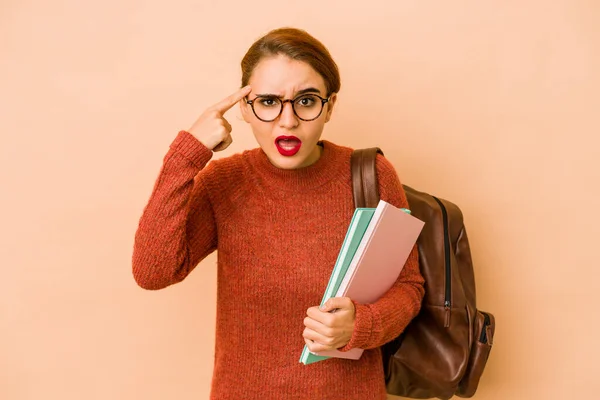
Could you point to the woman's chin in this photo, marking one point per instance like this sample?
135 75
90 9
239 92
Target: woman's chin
286 162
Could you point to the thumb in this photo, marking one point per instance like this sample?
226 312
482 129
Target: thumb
333 303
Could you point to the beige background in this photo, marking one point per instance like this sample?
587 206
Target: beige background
491 105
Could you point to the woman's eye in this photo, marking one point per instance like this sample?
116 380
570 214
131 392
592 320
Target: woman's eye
269 102
306 101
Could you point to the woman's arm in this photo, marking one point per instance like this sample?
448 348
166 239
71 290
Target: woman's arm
378 323
177 227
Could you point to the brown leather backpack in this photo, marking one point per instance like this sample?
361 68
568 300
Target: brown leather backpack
444 349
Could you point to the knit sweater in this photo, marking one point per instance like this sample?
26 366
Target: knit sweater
277 234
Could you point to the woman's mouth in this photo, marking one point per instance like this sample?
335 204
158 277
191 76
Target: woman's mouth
288 145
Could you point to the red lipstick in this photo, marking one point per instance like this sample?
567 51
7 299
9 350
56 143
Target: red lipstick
288 145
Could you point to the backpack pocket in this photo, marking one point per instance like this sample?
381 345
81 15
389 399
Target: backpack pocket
485 326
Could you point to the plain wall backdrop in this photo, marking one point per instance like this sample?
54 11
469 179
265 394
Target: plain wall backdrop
493 105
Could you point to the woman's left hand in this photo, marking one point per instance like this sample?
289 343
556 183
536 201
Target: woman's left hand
325 330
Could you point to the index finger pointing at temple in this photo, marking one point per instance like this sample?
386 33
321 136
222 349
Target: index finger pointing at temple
232 99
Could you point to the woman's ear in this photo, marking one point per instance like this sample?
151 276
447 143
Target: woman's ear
330 105
245 109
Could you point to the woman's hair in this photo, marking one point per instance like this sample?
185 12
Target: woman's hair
296 44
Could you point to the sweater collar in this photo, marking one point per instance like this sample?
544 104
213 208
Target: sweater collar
329 166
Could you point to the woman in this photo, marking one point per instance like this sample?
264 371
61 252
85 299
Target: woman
277 216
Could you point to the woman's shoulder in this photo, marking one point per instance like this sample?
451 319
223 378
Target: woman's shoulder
385 168
225 171
383 164
226 181
228 165
336 147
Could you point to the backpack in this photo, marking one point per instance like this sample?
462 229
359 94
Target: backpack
444 349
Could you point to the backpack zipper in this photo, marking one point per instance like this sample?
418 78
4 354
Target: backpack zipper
447 301
485 336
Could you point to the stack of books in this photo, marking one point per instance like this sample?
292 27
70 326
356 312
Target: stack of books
375 249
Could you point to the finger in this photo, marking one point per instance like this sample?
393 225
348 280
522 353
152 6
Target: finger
227 125
232 99
335 303
318 327
224 144
313 347
323 317
315 336
316 346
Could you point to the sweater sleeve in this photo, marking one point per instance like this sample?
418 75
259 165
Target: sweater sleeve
381 322
177 227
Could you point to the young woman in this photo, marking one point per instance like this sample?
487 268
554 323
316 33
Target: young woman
277 215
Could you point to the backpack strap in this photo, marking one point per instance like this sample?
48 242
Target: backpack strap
365 187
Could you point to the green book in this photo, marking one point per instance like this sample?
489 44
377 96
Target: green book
356 230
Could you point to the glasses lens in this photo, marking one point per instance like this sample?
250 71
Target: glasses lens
267 108
308 107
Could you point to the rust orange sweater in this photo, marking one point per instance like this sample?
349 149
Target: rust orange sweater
277 233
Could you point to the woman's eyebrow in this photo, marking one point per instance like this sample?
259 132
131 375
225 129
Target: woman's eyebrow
308 90
298 93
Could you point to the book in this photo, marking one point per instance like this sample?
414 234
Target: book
377 262
358 225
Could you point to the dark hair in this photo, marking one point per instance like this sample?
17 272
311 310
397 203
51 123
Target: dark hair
296 44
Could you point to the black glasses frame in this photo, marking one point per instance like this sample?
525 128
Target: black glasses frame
293 102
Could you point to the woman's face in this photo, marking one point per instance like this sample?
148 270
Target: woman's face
288 141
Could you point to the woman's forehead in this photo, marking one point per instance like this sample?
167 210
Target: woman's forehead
282 76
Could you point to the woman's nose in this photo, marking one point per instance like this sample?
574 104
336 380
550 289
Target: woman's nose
288 119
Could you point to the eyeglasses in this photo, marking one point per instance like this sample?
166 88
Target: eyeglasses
307 107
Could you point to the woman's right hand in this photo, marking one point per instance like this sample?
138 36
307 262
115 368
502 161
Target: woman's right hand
211 128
